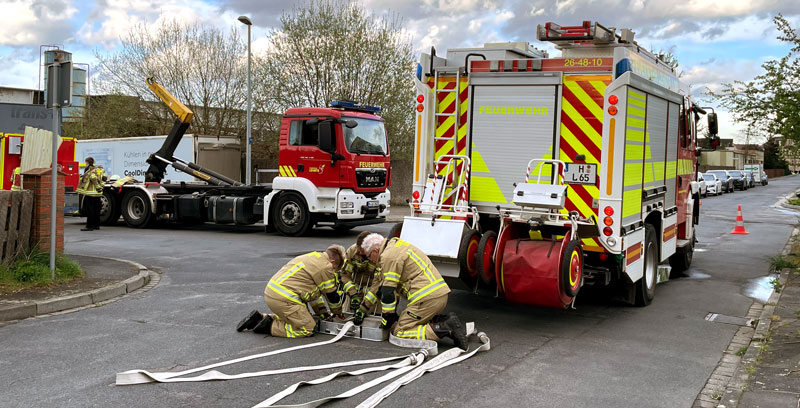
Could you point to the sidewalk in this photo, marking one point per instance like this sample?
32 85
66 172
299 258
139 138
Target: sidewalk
104 279
761 367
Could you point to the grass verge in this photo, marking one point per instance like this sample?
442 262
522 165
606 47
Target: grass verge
32 269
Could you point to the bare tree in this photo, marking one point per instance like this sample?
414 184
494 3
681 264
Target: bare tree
203 67
332 49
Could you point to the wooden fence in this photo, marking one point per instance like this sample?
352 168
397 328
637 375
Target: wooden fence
16 211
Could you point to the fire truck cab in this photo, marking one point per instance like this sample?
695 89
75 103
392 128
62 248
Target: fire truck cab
536 175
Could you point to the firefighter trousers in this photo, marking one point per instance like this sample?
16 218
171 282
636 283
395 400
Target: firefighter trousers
289 319
413 322
91 205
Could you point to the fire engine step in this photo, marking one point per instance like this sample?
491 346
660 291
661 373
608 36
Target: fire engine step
369 330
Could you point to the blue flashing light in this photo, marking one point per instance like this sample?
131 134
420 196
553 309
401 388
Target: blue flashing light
624 65
419 71
354 106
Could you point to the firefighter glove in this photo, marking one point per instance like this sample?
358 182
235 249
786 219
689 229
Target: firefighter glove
355 302
358 316
388 320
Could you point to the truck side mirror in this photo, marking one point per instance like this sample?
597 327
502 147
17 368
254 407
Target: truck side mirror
713 126
327 139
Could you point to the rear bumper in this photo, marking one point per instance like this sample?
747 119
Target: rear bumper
358 223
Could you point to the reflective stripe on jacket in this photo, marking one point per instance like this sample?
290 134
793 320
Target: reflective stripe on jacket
408 268
304 279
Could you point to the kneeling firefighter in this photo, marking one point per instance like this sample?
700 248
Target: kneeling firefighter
405 269
300 282
358 275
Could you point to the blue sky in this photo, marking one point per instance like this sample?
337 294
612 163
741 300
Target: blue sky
715 41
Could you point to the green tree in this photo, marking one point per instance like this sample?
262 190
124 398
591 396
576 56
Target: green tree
772 156
771 101
203 67
332 49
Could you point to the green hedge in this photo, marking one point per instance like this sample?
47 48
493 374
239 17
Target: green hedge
33 269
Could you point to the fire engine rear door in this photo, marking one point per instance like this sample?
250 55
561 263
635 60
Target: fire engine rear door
510 125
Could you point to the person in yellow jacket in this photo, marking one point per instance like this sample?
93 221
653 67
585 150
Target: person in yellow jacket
359 274
90 189
406 270
300 283
16 180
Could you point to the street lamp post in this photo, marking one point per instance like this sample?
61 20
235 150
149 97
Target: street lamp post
248 165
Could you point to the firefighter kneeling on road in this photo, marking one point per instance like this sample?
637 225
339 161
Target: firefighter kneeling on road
359 275
300 282
407 270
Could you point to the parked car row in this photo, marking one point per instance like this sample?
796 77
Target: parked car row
716 182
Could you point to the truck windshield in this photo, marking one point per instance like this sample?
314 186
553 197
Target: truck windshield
369 137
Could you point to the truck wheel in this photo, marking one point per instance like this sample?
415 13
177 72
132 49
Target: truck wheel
485 264
681 260
109 208
396 230
136 210
572 268
646 287
467 256
291 218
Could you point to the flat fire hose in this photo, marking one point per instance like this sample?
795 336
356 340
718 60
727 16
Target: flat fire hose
142 377
401 368
449 357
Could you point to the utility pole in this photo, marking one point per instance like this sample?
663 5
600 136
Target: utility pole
248 165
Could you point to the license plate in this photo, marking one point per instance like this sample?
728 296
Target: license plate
372 204
580 173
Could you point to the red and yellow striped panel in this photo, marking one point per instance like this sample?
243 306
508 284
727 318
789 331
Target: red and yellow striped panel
445 125
582 134
669 232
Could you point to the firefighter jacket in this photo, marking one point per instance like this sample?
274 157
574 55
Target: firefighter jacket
407 268
304 279
16 180
357 271
91 182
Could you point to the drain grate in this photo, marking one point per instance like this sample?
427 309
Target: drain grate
737 321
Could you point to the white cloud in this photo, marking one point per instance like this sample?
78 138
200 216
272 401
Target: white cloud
34 22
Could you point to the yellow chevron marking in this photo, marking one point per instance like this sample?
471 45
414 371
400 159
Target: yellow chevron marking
576 145
581 122
585 99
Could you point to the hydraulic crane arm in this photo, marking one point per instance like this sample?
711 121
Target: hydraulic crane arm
184 114
158 161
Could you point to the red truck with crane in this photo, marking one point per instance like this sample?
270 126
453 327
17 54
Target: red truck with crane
333 170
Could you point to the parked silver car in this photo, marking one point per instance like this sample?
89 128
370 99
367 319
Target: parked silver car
713 184
725 178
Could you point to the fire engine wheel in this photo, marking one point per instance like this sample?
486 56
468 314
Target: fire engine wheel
572 268
109 209
136 209
467 256
291 216
396 230
646 287
485 263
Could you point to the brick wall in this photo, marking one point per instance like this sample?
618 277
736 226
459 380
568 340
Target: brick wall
40 182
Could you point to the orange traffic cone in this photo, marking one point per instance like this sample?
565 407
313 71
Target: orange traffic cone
739 228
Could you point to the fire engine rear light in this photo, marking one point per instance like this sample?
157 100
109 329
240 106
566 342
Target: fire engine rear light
415 195
608 211
607 231
608 221
612 241
420 98
420 108
612 110
613 99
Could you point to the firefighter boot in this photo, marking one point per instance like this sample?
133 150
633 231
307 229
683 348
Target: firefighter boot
249 322
264 326
450 326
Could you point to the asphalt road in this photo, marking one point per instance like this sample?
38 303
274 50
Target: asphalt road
601 355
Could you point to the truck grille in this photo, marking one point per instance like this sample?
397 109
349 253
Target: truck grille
371 177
